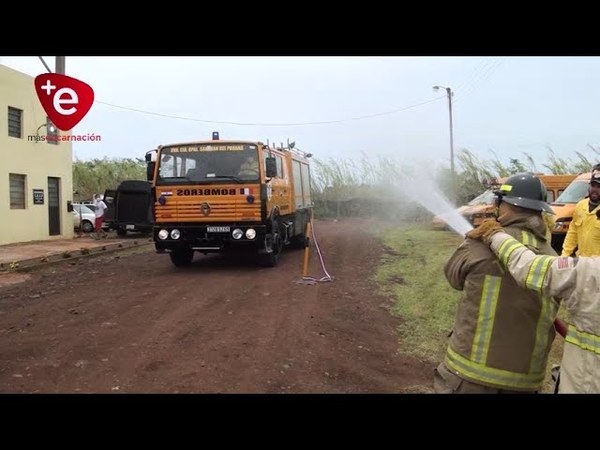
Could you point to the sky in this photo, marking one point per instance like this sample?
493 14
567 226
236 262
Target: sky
340 107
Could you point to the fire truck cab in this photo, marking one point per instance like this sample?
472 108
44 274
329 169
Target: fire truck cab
229 196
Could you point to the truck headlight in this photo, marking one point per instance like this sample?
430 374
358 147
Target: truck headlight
175 234
237 233
163 234
250 233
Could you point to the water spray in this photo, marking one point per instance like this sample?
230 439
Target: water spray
429 197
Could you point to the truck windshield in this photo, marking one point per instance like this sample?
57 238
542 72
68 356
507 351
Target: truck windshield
487 198
574 192
208 164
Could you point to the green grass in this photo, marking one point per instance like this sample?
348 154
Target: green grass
411 275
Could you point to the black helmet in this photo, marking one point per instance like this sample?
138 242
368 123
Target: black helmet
525 190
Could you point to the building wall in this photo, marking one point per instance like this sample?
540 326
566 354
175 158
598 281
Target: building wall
36 160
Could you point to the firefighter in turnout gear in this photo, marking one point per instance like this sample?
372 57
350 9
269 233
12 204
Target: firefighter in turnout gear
577 281
503 332
583 236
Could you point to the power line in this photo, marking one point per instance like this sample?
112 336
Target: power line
481 68
482 76
485 75
325 122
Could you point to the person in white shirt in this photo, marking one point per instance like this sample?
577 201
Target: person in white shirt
99 212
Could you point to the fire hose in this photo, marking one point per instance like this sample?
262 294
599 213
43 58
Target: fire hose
310 229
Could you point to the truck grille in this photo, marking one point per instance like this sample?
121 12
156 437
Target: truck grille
221 210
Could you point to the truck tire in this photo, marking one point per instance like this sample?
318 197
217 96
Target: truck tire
182 257
273 245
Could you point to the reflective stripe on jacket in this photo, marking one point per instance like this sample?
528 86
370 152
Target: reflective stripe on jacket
502 333
577 281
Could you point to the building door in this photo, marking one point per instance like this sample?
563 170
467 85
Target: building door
53 206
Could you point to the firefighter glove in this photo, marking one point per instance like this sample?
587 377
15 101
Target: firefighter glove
485 231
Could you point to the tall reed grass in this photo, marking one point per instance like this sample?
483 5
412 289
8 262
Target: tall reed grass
365 186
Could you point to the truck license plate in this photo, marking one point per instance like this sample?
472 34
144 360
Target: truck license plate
217 229
130 227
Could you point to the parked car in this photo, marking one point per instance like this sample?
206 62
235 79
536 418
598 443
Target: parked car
564 206
86 204
107 221
84 215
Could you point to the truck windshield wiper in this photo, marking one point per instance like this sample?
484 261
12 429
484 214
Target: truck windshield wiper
175 178
231 177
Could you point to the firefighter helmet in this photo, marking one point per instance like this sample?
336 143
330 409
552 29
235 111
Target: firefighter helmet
525 190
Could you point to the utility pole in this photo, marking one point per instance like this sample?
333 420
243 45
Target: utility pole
452 171
59 66
449 92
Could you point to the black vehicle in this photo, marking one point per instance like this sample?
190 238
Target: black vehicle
129 207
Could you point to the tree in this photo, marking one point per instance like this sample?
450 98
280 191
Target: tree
97 175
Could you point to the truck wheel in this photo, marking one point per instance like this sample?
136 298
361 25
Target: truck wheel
182 257
273 245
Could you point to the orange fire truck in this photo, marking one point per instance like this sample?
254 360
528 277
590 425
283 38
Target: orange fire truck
229 196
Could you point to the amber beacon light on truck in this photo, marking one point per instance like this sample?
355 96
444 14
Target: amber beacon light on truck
229 196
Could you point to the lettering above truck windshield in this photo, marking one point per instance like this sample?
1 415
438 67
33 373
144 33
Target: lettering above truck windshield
208 164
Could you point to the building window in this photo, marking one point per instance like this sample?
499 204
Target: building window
17 191
51 132
15 117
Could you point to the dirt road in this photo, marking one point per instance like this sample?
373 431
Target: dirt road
134 323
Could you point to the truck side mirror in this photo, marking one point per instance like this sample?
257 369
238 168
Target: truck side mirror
271 167
150 170
150 155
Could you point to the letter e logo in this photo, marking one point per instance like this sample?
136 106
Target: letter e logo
66 100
